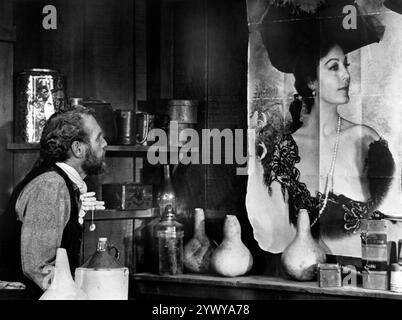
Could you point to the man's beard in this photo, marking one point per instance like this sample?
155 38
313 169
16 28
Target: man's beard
93 165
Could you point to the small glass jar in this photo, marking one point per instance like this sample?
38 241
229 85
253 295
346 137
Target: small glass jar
169 234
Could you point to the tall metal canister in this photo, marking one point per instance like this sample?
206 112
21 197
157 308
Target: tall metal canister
38 94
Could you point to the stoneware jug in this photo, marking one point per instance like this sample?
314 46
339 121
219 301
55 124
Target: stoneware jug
102 276
63 286
198 251
231 258
302 255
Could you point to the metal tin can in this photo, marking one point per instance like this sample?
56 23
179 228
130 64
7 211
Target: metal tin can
374 254
145 122
183 111
125 121
396 278
329 275
38 94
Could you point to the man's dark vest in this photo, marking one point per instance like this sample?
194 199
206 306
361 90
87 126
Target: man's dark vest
10 235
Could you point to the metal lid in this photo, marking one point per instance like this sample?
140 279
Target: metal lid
328 266
39 70
178 102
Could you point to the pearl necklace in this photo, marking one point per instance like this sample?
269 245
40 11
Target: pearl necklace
330 174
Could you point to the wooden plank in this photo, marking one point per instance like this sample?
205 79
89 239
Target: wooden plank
142 214
122 214
23 163
264 283
140 55
166 290
109 51
35 146
28 21
6 12
7 33
166 50
63 49
22 146
6 118
109 148
227 36
131 148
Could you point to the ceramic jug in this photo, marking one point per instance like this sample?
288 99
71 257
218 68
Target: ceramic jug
301 257
232 258
102 276
198 250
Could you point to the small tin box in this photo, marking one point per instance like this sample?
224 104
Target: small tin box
329 275
374 254
127 196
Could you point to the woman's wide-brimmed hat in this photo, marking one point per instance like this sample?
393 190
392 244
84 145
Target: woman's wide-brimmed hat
288 31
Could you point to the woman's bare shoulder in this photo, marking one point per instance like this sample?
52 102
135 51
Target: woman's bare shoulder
361 132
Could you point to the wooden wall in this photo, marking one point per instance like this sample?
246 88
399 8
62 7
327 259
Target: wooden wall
93 46
7 38
129 50
100 45
203 56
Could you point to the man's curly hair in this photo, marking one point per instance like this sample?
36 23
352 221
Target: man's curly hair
60 131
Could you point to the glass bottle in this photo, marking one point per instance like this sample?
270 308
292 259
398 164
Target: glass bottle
167 195
169 234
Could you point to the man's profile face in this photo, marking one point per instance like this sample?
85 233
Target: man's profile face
94 162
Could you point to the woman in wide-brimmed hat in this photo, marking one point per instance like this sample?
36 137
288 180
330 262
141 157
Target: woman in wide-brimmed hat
336 169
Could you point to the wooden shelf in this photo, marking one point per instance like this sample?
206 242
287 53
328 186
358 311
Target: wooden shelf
7 33
247 287
110 214
122 214
110 148
22 146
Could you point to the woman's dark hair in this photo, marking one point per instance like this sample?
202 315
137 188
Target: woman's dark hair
306 70
60 131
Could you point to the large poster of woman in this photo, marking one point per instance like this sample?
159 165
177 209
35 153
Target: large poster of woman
324 99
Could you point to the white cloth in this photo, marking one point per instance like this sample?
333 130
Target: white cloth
78 181
74 176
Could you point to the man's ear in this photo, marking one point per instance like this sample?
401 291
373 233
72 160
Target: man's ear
78 149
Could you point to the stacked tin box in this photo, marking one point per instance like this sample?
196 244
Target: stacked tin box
374 254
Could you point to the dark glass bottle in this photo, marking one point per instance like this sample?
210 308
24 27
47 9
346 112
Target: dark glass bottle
169 234
167 194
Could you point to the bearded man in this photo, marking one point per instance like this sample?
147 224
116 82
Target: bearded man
48 206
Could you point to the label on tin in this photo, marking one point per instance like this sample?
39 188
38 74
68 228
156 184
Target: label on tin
371 265
374 238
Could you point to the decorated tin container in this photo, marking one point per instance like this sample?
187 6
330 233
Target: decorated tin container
38 94
329 275
374 254
127 196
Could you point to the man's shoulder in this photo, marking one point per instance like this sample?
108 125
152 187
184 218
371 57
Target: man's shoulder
50 180
48 187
